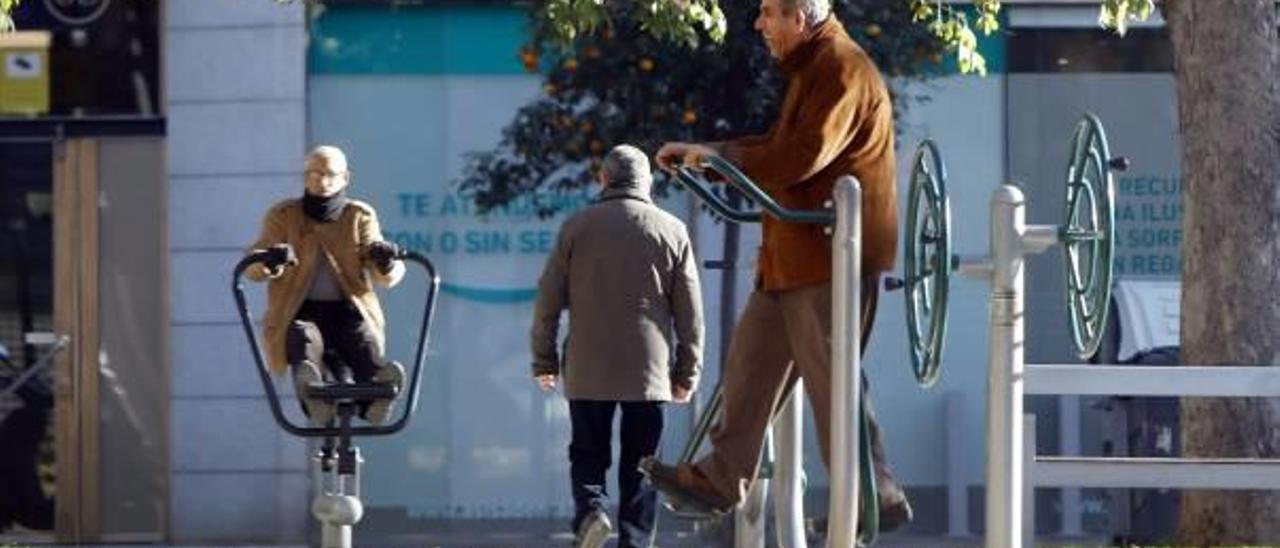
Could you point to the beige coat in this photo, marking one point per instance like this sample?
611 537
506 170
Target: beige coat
343 243
625 271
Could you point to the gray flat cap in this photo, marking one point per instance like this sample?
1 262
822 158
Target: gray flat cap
626 165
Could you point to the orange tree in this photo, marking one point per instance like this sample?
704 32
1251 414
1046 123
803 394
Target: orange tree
618 77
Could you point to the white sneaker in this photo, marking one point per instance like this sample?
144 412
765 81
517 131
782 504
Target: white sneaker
593 531
393 374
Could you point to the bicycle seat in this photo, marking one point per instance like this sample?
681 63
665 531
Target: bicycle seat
337 392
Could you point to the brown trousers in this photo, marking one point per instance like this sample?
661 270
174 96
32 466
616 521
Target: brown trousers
782 336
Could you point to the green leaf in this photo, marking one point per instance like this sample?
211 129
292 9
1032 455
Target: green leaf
987 23
1105 18
1144 11
1117 14
719 26
954 33
921 10
6 11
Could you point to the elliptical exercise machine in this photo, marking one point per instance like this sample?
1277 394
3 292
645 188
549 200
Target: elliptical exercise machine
336 466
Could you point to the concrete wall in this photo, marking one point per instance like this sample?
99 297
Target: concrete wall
236 103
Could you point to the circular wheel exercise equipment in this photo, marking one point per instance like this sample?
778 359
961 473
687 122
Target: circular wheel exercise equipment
928 262
1087 236
1088 240
336 466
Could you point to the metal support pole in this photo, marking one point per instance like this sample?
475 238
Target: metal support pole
846 363
1069 442
335 536
749 519
728 302
1029 487
1004 379
957 479
788 471
337 507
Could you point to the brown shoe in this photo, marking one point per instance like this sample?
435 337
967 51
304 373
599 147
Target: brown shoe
895 511
894 508
685 488
894 515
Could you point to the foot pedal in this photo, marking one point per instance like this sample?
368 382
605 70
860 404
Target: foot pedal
682 506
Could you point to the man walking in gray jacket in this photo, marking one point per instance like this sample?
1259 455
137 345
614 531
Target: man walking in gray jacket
625 271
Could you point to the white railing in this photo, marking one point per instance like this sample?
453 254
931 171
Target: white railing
1137 472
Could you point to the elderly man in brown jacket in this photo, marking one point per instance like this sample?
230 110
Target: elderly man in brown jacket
625 271
836 119
325 252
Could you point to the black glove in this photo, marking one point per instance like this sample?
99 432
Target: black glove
382 253
278 256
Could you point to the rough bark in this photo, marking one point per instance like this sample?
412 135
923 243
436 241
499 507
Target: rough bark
1226 61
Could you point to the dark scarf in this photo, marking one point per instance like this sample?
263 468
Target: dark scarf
324 210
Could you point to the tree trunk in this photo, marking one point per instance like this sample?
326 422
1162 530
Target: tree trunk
1226 61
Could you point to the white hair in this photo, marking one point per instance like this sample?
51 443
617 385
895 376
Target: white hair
815 11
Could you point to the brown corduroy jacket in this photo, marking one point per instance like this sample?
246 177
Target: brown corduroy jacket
344 244
836 119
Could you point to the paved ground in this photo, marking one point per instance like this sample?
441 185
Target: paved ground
547 534
513 540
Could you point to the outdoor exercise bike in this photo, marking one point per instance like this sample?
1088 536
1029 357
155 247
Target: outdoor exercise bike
336 466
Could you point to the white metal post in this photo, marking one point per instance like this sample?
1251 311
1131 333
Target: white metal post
337 506
1069 442
1028 485
846 363
1004 379
749 517
788 471
957 479
333 535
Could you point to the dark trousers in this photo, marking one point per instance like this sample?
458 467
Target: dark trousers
23 501
338 327
589 458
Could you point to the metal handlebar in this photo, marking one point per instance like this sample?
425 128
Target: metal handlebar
740 181
689 179
273 398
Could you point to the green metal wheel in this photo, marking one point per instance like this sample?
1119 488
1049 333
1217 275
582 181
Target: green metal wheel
928 262
1088 234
